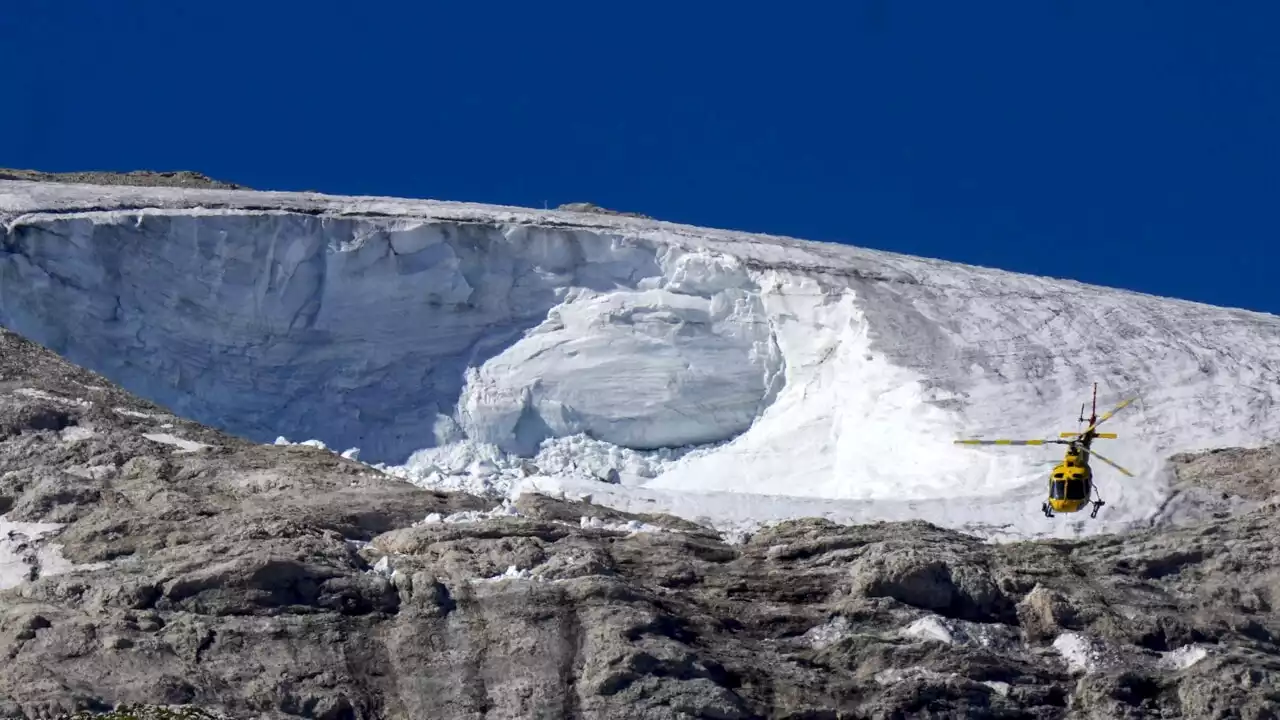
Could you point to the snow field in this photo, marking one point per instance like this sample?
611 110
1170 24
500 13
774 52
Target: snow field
723 377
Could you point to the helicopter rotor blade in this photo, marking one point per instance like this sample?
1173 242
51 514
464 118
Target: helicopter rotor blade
1108 415
1112 463
1009 442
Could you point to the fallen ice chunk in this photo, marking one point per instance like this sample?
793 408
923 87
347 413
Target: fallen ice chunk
482 468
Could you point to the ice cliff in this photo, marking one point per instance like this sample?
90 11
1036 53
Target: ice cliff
795 377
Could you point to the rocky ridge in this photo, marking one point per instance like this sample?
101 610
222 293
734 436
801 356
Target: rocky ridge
151 560
143 178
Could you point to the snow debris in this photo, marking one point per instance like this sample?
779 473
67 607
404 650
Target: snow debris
42 395
76 433
930 628
999 688
1080 653
134 414
1183 657
598 460
631 526
183 445
511 573
829 633
506 510
350 453
961 632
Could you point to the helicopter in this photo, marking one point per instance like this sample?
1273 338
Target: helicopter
1071 481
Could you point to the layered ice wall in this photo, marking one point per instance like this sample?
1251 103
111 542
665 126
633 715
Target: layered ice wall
394 335
812 378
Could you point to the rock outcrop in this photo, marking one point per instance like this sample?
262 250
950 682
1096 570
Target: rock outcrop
141 178
148 559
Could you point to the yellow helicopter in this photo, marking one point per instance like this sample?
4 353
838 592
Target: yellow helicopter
1071 482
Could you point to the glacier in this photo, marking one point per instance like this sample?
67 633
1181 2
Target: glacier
727 377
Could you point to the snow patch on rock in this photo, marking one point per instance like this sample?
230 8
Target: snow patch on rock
961 632
511 573
38 394
1183 657
183 445
828 633
1081 654
26 553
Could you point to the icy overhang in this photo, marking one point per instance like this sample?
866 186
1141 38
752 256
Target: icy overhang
387 331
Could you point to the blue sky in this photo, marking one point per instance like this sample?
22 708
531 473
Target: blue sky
1131 144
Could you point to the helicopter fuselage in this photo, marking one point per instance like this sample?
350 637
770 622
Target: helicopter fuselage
1071 481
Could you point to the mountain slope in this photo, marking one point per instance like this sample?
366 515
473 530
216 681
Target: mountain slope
723 375
168 563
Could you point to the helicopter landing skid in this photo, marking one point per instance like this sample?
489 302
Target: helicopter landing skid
1097 505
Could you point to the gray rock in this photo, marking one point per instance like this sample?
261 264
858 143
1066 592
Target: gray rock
181 178
272 582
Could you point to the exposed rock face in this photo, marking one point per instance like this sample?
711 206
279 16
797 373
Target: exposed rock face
166 563
147 178
586 207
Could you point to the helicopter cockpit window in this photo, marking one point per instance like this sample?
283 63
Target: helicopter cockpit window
1075 490
1057 490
